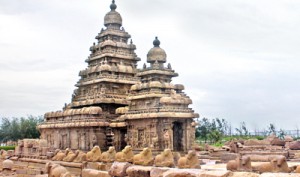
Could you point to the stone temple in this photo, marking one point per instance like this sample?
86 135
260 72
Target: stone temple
117 104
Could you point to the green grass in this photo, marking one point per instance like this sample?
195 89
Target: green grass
7 147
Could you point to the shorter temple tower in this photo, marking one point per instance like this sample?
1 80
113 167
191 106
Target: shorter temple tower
158 115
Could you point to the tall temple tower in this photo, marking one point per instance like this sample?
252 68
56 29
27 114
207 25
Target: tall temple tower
115 104
102 88
158 115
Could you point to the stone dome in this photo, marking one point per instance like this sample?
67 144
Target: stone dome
95 110
156 53
112 17
7 164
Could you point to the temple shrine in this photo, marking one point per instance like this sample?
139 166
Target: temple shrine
116 104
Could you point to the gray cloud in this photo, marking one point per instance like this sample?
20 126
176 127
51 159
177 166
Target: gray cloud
237 59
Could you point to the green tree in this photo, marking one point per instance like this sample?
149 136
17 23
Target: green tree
242 130
203 129
272 129
19 128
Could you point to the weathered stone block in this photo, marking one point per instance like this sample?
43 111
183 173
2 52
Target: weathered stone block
214 174
119 169
158 171
99 166
94 173
138 171
244 174
225 157
182 173
279 175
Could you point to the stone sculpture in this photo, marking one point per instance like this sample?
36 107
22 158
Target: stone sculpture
7 168
240 164
143 158
60 155
109 156
94 155
126 155
71 156
81 157
165 159
3 154
280 165
297 170
55 170
189 161
277 164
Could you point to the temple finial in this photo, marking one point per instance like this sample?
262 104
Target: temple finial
156 42
113 6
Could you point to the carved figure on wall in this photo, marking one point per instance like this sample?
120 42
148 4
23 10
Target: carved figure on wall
144 158
155 143
165 159
94 155
167 139
109 156
94 141
126 138
102 90
126 155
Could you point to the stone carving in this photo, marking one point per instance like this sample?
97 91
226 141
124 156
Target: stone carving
81 157
240 164
94 155
71 156
297 170
189 161
126 155
60 155
109 156
165 159
3 154
144 158
55 170
7 168
278 164
167 139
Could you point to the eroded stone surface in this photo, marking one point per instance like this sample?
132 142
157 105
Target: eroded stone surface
94 173
119 169
138 171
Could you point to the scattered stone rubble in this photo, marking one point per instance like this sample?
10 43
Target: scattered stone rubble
27 160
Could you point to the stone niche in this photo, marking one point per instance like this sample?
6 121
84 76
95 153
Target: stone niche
160 134
75 138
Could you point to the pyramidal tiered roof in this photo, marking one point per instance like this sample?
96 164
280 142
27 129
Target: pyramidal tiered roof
105 83
117 104
111 66
155 96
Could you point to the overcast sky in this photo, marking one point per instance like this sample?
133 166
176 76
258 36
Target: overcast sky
238 59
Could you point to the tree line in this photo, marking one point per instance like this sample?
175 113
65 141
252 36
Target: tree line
13 129
214 130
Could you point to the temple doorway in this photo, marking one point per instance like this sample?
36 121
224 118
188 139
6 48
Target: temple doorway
123 134
177 136
64 142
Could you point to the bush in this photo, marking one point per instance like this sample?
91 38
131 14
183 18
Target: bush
7 148
260 137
